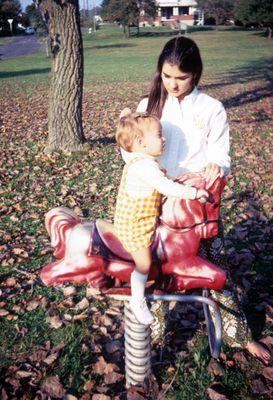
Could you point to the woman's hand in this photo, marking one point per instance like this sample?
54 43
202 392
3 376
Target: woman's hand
211 172
202 194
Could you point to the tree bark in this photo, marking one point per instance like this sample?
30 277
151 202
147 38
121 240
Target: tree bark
65 130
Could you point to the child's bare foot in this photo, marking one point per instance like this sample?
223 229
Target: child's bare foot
258 351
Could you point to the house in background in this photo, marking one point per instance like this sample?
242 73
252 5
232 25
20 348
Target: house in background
176 12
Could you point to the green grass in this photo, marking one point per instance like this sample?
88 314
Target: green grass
108 57
116 72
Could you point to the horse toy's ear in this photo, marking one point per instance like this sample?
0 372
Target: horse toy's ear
126 111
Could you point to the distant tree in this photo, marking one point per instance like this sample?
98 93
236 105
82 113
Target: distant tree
220 10
65 131
127 12
9 9
124 12
255 12
242 11
34 14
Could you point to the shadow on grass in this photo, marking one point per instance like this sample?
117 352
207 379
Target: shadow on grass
13 74
155 34
257 71
111 46
104 140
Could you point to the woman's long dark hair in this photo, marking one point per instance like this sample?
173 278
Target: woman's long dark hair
184 53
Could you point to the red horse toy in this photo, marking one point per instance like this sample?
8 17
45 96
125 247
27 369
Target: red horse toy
90 251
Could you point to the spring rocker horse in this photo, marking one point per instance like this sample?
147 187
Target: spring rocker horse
90 252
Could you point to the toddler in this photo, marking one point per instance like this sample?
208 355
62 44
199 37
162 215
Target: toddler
139 198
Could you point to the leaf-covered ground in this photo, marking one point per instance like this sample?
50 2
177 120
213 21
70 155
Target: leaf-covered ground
58 342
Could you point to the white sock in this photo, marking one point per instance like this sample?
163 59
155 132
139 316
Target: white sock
138 281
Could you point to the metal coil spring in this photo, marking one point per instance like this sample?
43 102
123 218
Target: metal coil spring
137 349
159 309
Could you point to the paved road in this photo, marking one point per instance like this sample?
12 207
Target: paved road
20 46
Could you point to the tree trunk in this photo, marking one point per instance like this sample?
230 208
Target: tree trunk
270 32
65 130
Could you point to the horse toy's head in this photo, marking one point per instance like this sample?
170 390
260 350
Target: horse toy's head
188 214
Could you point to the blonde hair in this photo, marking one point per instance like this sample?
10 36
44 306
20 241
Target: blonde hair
131 127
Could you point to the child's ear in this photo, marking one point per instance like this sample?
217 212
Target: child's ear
140 141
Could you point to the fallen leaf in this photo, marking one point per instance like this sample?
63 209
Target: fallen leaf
215 368
213 395
135 396
69 291
112 377
268 373
50 359
88 386
99 396
268 341
10 282
32 305
55 322
101 367
84 303
258 386
23 374
239 357
38 356
52 387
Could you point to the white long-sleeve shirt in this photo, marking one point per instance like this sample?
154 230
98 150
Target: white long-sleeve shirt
144 175
196 132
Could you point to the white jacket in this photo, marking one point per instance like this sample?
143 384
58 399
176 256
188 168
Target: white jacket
196 132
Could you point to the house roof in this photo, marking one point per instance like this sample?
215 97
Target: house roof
176 3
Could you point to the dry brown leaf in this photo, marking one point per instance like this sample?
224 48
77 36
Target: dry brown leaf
80 316
258 386
81 305
38 356
88 386
69 291
215 368
112 377
268 341
99 396
213 395
32 305
23 374
134 395
102 367
10 282
55 322
50 359
52 387
268 373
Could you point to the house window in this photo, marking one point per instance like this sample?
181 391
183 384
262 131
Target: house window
184 10
166 12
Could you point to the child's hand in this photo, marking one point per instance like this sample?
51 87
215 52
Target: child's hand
202 193
126 111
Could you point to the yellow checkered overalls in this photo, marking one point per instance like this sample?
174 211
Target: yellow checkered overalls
135 218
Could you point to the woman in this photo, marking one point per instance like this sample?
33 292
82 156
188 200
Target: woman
197 138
